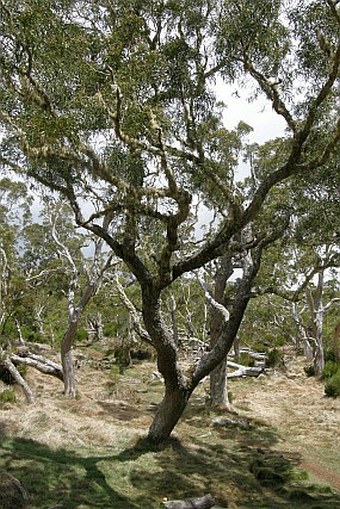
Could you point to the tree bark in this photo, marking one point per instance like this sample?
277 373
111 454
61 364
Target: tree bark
218 385
173 313
168 413
218 378
68 365
38 362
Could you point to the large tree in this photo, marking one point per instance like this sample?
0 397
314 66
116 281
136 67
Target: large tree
112 105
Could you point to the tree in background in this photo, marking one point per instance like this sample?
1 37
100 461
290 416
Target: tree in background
112 106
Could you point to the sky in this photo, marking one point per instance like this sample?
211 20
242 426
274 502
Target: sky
258 113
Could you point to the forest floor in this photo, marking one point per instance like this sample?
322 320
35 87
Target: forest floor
90 452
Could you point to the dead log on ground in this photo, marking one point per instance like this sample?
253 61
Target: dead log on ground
40 363
242 371
205 502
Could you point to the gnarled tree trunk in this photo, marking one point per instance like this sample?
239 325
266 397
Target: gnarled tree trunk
169 412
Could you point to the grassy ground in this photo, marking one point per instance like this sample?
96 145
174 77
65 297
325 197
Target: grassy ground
90 452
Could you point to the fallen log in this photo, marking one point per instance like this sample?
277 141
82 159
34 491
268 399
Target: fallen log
242 371
40 363
205 502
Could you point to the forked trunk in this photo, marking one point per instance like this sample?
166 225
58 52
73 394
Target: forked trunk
168 413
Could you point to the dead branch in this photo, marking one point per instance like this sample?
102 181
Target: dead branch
205 502
7 362
40 363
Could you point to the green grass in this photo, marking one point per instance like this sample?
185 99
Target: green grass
242 466
227 463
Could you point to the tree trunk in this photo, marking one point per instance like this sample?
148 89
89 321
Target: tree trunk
38 362
67 360
319 359
68 371
179 385
168 413
218 378
173 312
237 349
307 348
218 385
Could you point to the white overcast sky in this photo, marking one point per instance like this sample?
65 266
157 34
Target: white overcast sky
258 113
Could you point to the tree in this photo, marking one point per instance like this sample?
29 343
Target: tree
112 104
79 292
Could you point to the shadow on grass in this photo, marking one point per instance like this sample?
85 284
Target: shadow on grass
232 465
60 476
253 478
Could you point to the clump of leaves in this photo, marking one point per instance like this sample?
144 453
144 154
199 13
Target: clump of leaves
7 396
329 355
332 385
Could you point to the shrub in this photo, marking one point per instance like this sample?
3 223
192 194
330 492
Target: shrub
329 355
332 385
246 359
330 369
81 334
274 358
110 330
7 396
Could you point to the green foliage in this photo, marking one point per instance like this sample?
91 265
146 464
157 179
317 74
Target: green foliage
81 334
332 385
110 330
329 355
274 358
330 369
246 359
7 396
